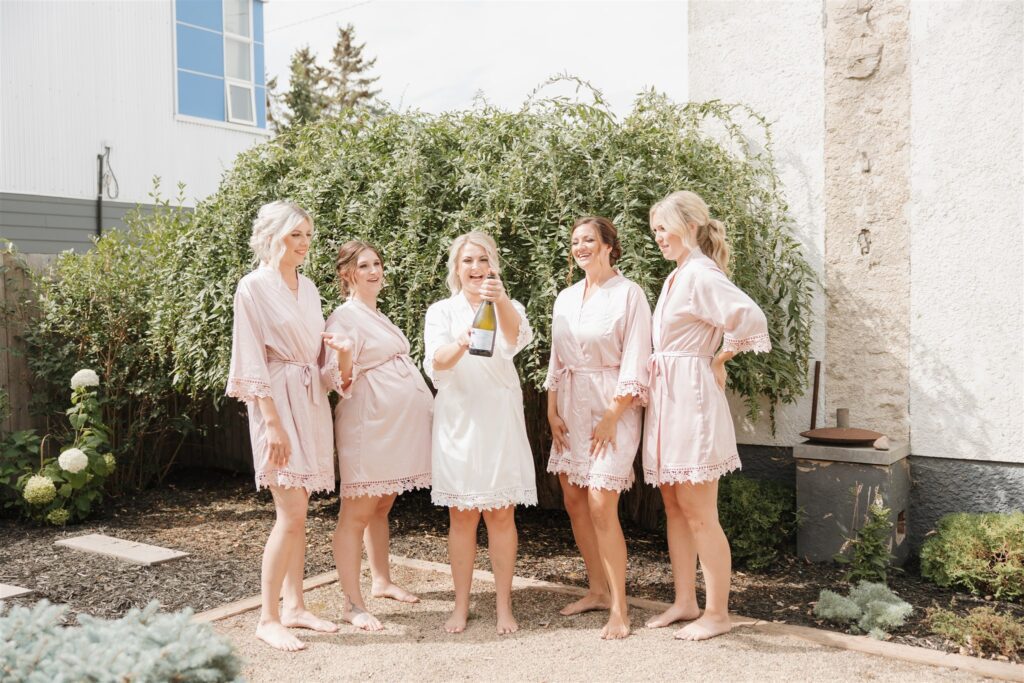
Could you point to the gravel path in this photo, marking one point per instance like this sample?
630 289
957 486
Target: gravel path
547 648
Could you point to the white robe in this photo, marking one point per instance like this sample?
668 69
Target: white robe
481 457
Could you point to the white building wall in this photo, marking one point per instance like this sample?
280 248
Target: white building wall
967 229
73 73
769 55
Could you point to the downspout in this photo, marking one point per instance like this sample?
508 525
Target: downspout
99 195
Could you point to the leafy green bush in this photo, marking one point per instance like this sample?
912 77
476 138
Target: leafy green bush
143 645
96 310
982 631
873 606
151 307
65 488
869 553
758 517
982 553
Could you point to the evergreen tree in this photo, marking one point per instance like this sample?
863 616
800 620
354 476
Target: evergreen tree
305 100
347 86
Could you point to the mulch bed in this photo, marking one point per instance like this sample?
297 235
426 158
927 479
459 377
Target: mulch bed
223 524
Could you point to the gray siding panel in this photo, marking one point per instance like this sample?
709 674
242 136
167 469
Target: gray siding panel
48 225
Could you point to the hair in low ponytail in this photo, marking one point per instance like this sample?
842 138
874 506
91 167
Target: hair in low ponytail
680 210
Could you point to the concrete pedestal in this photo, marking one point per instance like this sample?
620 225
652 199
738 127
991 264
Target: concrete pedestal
835 486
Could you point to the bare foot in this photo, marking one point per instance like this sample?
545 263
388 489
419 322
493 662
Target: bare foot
306 619
274 634
362 619
616 628
704 628
673 614
456 622
588 603
393 592
506 622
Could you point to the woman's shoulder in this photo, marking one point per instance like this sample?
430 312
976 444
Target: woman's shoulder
442 306
341 313
260 276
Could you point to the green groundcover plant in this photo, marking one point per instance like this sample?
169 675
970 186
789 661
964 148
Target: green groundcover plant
980 552
870 608
983 630
143 645
409 182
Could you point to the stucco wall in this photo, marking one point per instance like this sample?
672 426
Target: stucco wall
967 228
769 56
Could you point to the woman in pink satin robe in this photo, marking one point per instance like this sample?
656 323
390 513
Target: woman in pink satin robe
276 370
700 322
382 427
597 384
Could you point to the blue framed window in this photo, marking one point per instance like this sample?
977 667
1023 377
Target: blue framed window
220 53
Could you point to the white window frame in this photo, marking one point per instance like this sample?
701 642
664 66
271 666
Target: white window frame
229 81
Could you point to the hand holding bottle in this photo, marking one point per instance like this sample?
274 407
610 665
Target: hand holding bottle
493 289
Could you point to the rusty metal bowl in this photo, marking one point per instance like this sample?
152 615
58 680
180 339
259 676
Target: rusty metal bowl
849 436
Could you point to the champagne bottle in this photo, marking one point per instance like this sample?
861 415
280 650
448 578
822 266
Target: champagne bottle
485 326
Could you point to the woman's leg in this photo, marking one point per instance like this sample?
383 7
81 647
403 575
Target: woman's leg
683 554
699 503
604 511
347 545
461 555
377 538
578 507
502 543
287 538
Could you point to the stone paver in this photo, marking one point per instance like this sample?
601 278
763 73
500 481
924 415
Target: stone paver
129 551
548 647
9 591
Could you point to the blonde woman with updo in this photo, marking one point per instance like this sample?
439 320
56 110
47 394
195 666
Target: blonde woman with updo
381 427
276 370
702 320
482 463
597 385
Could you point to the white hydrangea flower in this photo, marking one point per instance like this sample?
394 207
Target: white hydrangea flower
85 378
58 517
73 460
39 490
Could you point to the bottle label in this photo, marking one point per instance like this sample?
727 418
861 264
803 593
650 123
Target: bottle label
481 340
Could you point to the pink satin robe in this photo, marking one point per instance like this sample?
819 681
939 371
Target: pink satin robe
276 351
689 434
382 423
599 351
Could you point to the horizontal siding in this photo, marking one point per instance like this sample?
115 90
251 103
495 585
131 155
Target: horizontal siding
49 225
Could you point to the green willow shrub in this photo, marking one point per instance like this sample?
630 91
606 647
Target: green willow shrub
410 182
982 553
97 310
758 517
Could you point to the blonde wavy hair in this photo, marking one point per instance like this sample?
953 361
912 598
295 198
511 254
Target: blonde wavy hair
682 209
273 222
480 239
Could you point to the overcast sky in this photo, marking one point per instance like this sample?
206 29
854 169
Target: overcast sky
436 56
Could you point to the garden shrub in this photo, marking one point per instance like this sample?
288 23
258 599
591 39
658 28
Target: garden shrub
758 517
152 307
873 606
65 488
869 552
982 630
143 645
96 310
980 552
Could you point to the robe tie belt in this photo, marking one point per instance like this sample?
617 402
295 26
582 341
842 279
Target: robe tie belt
656 361
404 365
575 410
308 371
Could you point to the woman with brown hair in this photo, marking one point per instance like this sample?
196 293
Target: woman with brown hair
597 384
381 427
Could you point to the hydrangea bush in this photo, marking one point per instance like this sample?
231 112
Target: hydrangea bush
66 488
